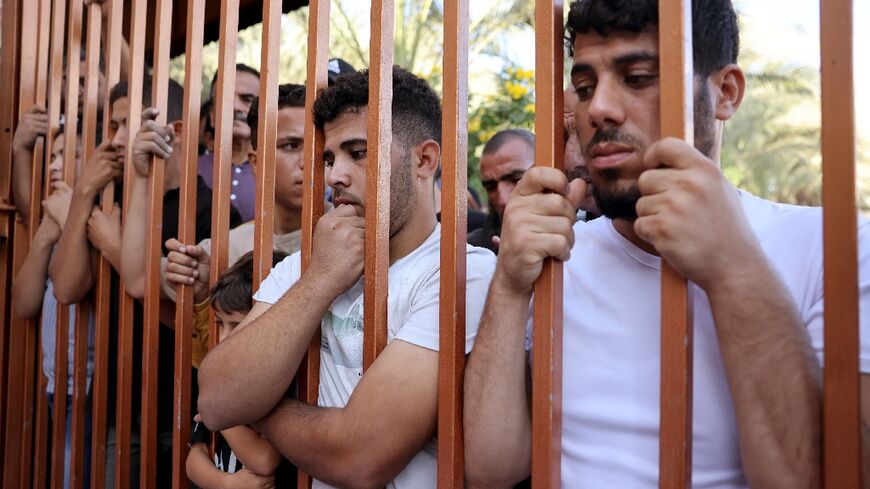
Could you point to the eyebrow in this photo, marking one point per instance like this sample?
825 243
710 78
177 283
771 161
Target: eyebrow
623 60
345 145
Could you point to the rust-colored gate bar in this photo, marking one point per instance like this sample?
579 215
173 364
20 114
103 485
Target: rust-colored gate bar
380 137
153 242
842 405
38 165
12 366
123 424
454 218
187 234
267 133
84 308
61 369
313 184
100 380
675 433
547 335
220 207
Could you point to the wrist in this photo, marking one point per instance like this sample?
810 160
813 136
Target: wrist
736 276
504 286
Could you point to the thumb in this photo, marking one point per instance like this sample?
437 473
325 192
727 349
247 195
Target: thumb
576 192
496 241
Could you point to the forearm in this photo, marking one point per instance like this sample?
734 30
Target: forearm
318 442
133 239
255 452
496 414
21 182
265 355
71 269
201 470
774 377
28 288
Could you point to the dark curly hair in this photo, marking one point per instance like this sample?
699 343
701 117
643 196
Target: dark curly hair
289 95
715 31
232 292
416 107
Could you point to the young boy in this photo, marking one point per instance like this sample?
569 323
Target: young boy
242 457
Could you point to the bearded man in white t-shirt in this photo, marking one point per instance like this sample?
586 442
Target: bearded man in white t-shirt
755 269
374 429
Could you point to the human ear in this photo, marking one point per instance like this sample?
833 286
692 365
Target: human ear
429 153
729 86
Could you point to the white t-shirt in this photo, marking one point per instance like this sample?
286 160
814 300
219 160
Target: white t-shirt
611 350
413 312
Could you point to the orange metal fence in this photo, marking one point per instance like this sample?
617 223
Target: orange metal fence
37 33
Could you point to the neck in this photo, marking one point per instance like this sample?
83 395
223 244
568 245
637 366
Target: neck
240 150
626 229
287 220
417 228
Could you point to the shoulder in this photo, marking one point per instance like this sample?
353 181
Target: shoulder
280 279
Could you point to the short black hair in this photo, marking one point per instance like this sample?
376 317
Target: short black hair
239 67
715 30
233 291
174 100
505 135
289 95
416 107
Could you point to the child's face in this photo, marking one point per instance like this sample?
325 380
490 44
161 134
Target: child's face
227 322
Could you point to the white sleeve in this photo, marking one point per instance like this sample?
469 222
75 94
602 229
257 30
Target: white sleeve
422 326
815 320
280 279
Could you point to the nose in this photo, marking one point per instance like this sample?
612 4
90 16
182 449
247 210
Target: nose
504 191
338 174
606 106
119 140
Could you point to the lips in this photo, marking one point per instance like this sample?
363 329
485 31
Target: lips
609 155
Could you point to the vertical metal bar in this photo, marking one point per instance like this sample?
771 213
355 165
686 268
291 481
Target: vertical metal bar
100 385
675 434
13 364
313 183
842 405
84 309
41 431
123 417
380 137
267 133
80 321
187 234
220 207
154 238
62 324
547 335
454 217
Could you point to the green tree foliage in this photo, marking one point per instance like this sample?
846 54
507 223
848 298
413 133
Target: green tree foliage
512 105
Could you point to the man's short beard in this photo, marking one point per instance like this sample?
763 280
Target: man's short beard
615 202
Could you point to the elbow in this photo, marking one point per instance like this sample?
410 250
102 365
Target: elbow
135 286
494 463
209 406
362 476
68 295
264 464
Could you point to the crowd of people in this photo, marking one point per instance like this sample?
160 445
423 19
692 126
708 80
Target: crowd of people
627 200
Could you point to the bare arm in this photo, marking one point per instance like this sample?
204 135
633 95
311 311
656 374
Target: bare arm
255 452
389 418
72 269
104 232
202 472
28 288
497 425
774 378
269 344
266 351
33 124
152 140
